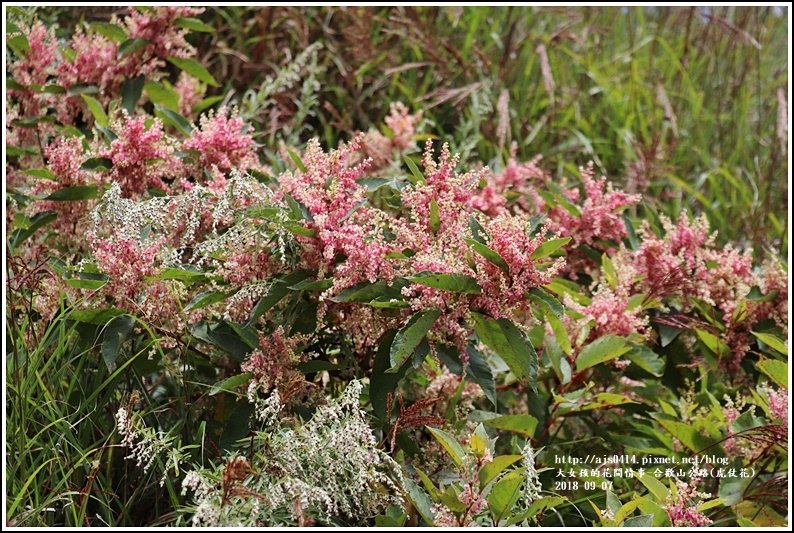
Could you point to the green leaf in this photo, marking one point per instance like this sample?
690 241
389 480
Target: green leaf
162 95
772 341
537 507
450 444
667 334
195 69
71 194
647 359
39 220
131 92
96 110
223 335
278 290
365 292
297 160
608 270
643 520
499 464
95 316
193 24
686 433
203 299
420 500
521 424
478 233
435 218
606 399
416 174
382 382
602 349
549 247
53 89
206 103
710 504
82 89
115 332
478 371
97 163
509 343
174 119
732 489
654 486
505 493
544 299
312 285
776 370
179 274
756 295
18 151
114 32
447 282
87 284
489 254
130 46
410 335
41 173
712 342
19 44
230 383
560 333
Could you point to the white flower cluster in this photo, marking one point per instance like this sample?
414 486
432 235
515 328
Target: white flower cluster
328 467
146 445
532 486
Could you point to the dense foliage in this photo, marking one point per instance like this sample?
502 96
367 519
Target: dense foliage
303 267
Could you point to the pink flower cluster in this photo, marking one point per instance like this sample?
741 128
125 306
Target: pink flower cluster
517 179
682 510
156 25
610 313
64 158
437 230
599 217
190 91
127 263
273 363
91 59
34 67
344 227
223 141
379 148
142 157
778 405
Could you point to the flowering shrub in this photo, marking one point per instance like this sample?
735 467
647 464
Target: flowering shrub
365 334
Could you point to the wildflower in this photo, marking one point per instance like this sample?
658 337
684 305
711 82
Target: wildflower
142 157
35 67
778 405
156 25
190 91
682 508
609 310
95 62
599 217
224 141
532 487
330 465
273 363
64 157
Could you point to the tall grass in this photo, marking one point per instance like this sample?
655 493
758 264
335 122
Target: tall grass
680 103
65 465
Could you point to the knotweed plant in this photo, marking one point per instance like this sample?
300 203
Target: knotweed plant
359 316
